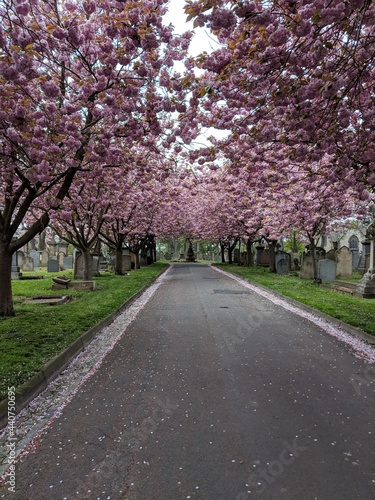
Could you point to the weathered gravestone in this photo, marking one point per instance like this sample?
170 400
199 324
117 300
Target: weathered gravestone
79 265
68 262
327 270
344 263
355 258
126 261
366 287
44 257
15 273
53 265
307 267
282 260
28 264
331 255
35 255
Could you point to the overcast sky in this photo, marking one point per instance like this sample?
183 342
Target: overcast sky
176 16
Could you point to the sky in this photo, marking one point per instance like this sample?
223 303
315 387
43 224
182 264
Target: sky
201 41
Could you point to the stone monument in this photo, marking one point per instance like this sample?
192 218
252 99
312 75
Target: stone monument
366 287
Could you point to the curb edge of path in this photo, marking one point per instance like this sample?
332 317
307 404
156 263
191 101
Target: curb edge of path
53 368
352 330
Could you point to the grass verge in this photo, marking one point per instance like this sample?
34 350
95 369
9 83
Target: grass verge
39 332
354 311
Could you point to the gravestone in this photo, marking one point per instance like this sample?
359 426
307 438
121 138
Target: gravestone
282 261
126 261
307 269
35 255
68 262
327 270
217 257
366 287
236 256
44 257
60 257
364 261
259 249
28 264
355 258
344 263
331 255
78 266
53 265
15 273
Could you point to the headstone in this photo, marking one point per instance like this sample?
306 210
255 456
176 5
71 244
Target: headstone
52 247
307 269
363 265
68 262
344 263
355 258
331 255
60 257
259 249
366 287
44 257
236 256
126 262
53 265
282 260
217 257
15 273
320 253
32 244
327 270
35 255
95 265
28 264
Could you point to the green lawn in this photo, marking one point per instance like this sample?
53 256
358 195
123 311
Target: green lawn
352 310
38 332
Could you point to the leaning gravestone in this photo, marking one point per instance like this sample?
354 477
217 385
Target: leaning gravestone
344 263
53 266
327 270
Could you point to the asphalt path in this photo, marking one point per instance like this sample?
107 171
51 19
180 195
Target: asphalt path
214 393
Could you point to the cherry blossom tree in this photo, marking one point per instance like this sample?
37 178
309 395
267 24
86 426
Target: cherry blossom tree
80 81
292 77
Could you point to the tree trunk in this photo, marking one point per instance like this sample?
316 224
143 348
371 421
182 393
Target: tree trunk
230 258
87 265
118 261
222 248
6 301
272 250
313 254
249 246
